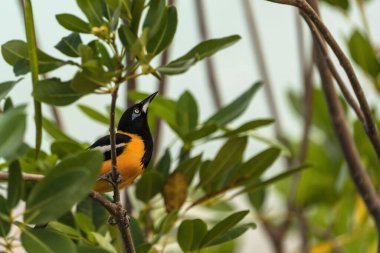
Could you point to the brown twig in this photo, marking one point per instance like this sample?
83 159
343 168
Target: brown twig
259 56
370 125
212 81
26 176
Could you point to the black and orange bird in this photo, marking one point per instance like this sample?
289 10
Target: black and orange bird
134 146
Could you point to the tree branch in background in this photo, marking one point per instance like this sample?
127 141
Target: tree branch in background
210 69
259 56
370 125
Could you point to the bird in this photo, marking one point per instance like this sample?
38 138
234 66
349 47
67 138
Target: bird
134 147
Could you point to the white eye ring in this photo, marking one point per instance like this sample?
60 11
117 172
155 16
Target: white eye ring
136 110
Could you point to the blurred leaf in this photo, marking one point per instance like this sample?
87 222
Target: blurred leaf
175 191
84 222
53 130
256 186
232 234
45 241
63 229
163 165
6 87
150 184
15 184
235 108
125 8
364 54
131 42
5 217
154 17
200 133
66 184
63 148
250 125
199 52
93 10
83 248
221 229
12 130
257 165
189 167
73 23
103 242
55 92
257 198
230 154
343 5
186 113
105 57
69 45
137 9
15 53
137 233
93 114
166 32
190 234
167 223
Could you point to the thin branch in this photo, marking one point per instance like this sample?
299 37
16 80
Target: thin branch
26 176
370 125
212 81
259 56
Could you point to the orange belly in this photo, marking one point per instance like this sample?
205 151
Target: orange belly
128 163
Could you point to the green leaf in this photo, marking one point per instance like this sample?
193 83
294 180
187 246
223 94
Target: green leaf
73 23
235 108
63 148
199 52
364 54
16 52
163 165
190 234
45 241
66 184
150 184
103 242
154 17
93 10
263 184
84 248
55 92
257 198
5 217
232 234
137 9
131 42
69 45
93 114
136 231
64 229
6 87
186 113
222 228
343 5
167 223
125 8
84 222
15 184
257 165
52 129
200 133
12 130
250 125
165 36
230 154
189 167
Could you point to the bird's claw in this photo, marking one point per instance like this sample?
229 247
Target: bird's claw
108 177
112 221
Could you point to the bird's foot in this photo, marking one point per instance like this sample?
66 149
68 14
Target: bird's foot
108 177
112 221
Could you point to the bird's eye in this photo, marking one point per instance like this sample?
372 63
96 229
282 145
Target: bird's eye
136 110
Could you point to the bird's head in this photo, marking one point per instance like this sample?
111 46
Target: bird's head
134 119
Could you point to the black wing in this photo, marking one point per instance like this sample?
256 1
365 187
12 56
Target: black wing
104 145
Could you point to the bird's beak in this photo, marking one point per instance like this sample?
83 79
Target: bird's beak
145 103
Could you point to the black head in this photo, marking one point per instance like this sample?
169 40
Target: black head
134 119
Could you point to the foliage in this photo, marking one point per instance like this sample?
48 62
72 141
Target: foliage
169 189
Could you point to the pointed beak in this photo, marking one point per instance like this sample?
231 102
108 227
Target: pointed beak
145 103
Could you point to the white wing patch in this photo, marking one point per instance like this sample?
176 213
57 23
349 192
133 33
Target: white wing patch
106 148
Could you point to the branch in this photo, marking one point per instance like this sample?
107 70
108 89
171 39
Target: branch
370 125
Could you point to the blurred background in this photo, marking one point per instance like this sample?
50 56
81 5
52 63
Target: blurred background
235 69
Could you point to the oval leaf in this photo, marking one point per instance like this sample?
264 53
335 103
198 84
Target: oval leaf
73 23
175 191
190 234
149 185
66 184
15 184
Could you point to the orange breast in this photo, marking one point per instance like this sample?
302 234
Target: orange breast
128 163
